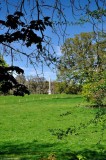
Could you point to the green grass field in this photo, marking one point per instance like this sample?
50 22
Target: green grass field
31 127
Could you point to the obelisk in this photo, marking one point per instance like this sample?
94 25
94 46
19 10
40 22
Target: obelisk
49 91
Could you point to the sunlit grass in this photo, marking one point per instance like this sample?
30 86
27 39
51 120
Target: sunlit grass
26 122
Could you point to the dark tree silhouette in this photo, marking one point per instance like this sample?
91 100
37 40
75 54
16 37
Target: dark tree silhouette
26 34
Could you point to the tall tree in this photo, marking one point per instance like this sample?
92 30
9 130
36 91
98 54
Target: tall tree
78 58
83 60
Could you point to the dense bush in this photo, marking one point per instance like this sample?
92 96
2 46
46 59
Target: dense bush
95 91
73 89
65 87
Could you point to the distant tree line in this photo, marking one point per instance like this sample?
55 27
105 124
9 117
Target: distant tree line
39 85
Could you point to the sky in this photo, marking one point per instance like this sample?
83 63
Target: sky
72 30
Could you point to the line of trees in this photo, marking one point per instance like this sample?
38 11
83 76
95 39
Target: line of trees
36 85
39 85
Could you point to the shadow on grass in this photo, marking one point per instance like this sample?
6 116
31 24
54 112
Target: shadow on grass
85 154
32 150
36 151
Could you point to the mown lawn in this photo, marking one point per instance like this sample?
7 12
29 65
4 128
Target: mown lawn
35 127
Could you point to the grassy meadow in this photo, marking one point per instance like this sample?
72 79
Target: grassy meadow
31 127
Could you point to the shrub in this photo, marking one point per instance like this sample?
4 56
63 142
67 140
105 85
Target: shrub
95 92
73 89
